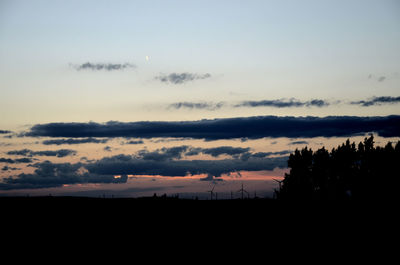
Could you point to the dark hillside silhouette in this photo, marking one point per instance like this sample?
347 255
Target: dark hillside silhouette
348 172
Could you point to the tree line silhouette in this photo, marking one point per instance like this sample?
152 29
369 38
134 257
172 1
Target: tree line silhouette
348 172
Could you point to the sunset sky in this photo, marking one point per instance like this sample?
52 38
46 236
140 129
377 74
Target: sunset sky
131 98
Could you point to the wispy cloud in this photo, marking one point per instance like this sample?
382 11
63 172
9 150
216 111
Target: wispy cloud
284 103
134 142
177 152
377 78
377 101
30 153
298 142
196 105
103 66
74 141
7 168
18 160
107 148
181 78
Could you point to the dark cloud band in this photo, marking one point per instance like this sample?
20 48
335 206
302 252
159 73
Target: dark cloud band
229 128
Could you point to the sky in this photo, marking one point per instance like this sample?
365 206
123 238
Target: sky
132 98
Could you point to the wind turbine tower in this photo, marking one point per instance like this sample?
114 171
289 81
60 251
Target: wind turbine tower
211 192
242 190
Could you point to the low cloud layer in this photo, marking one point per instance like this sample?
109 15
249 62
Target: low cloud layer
48 174
5 132
228 128
103 66
377 101
56 153
181 78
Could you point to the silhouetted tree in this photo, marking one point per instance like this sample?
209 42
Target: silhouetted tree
347 172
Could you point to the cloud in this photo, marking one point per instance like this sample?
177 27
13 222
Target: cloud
182 168
103 66
5 132
284 103
228 128
7 168
85 159
134 142
12 161
268 154
280 103
180 78
163 154
107 148
30 153
298 142
177 152
198 105
377 101
224 150
48 174
74 141
382 77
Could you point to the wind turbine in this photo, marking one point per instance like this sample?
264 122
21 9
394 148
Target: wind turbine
280 183
242 190
277 193
212 191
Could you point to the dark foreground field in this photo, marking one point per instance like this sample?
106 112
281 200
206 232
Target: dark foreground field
246 208
166 219
167 210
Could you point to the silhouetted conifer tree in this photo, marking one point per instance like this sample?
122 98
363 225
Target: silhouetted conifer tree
347 172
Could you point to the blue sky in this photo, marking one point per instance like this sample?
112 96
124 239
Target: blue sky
228 55
253 50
